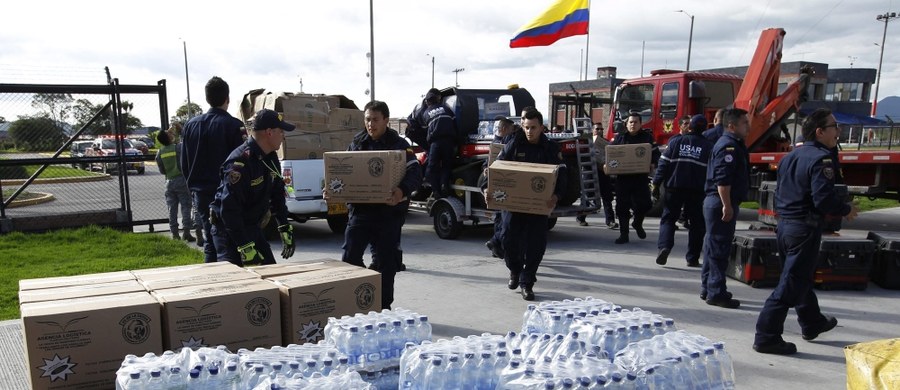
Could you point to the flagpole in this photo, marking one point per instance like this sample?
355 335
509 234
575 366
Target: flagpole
587 44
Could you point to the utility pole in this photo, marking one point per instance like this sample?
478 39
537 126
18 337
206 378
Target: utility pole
886 17
456 77
690 39
187 80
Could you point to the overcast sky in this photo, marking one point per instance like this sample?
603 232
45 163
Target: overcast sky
274 44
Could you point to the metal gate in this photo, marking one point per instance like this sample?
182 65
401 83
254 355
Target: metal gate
69 156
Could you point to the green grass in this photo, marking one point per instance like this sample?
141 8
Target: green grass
56 171
81 251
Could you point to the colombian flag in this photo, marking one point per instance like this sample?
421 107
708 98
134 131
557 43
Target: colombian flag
564 18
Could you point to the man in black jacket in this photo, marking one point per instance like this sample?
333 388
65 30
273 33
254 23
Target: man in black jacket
633 190
525 235
380 224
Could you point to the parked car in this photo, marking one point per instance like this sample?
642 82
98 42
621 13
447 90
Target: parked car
146 140
140 145
77 150
106 146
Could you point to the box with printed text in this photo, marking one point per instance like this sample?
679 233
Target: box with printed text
521 187
628 159
363 176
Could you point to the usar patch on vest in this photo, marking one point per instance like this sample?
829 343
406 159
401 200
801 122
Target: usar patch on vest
828 172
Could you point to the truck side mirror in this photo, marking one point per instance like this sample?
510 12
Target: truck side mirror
696 89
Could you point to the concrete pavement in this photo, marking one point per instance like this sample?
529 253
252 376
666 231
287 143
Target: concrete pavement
463 291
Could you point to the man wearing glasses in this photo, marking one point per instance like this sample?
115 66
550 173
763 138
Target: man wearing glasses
804 196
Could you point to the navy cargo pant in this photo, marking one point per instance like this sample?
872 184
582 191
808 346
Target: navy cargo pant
692 202
524 240
203 199
379 226
798 246
227 248
441 153
632 194
716 248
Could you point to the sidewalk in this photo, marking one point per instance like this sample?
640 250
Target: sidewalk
463 291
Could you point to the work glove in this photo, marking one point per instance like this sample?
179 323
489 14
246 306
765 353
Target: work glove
654 192
249 255
286 232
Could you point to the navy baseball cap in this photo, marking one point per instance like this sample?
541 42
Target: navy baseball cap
698 123
268 119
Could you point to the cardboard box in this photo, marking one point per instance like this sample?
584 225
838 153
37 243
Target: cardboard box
76 280
363 177
80 343
280 269
628 159
87 290
237 314
521 187
180 277
494 152
309 298
346 118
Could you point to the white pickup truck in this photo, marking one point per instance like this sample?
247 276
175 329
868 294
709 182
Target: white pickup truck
304 180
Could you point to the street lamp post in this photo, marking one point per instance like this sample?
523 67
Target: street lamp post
371 51
885 17
456 77
187 80
432 69
690 38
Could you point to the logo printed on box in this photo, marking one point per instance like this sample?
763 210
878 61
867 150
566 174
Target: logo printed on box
376 166
365 296
640 151
57 368
538 184
499 196
310 332
259 311
134 327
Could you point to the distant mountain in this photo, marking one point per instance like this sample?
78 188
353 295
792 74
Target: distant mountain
889 106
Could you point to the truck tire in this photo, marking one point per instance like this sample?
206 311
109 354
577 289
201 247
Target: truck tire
446 225
338 223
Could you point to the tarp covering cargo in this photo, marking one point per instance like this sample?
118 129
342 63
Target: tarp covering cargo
873 365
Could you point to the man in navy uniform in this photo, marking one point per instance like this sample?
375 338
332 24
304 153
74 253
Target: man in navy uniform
633 190
442 143
727 182
525 235
682 170
207 140
380 224
804 197
251 190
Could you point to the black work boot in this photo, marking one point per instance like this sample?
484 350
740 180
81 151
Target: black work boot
200 239
527 292
513 280
187 235
638 226
623 231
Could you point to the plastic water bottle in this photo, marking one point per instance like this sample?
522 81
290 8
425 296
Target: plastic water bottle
254 378
469 375
434 375
423 329
698 370
175 380
727 365
486 376
383 335
231 377
410 332
397 339
134 382
453 373
195 381
370 346
355 346
528 325
156 380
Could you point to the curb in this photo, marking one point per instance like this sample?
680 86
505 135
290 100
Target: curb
43 197
58 180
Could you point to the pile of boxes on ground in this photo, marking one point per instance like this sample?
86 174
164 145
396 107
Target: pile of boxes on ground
77 329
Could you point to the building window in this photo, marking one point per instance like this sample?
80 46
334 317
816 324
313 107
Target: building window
845 92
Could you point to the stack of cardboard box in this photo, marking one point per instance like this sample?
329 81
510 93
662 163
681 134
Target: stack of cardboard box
324 122
77 330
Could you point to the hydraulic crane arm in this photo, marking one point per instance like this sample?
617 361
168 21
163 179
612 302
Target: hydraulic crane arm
759 91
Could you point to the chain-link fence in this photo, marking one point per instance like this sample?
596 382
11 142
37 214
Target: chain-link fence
74 155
